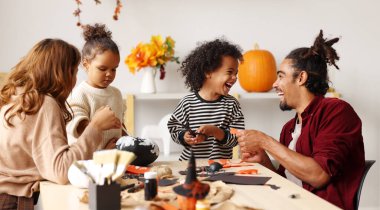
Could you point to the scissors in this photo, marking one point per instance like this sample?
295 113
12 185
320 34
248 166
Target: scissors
193 133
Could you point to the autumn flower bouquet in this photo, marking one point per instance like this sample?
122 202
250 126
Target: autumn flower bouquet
154 54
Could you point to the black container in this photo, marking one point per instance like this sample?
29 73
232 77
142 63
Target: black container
104 197
150 185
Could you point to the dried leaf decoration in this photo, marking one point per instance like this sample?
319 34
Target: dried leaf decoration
77 12
117 10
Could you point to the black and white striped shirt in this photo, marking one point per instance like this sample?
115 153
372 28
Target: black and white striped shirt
225 113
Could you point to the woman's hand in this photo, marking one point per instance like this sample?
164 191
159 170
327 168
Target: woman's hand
105 119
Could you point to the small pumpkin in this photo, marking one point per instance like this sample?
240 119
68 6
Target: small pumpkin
257 72
146 150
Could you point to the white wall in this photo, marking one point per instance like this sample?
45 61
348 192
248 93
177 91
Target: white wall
277 25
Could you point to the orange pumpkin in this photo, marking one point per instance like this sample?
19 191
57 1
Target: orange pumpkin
257 72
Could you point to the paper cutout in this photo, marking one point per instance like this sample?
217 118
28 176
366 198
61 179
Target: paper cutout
166 182
242 180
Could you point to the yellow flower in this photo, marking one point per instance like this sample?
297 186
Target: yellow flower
157 41
154 54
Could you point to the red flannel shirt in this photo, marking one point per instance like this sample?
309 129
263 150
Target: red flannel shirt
332 135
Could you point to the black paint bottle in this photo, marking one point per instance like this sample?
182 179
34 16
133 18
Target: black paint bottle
150 185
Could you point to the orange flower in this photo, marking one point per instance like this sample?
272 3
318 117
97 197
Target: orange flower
154 54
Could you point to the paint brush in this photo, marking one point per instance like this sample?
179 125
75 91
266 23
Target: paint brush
128 186
124 158
136 188
107 159
125 130
187 127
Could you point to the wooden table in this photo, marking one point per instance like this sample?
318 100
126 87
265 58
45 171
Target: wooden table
54 196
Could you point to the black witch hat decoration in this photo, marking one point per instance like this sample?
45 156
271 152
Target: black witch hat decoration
192 188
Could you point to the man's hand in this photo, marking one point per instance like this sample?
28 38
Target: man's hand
251 141
252 144
255 157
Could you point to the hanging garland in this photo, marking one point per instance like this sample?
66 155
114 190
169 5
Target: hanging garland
78 11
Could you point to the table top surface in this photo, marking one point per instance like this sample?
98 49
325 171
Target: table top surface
54 196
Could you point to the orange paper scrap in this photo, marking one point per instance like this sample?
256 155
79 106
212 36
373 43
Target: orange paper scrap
233 131
248 171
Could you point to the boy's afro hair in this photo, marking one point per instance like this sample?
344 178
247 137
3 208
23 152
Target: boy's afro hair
205 58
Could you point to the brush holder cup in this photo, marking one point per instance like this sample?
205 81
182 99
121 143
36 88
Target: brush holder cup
104 197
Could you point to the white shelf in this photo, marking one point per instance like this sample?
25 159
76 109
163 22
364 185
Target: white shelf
159 96
129 117
178 96
240 96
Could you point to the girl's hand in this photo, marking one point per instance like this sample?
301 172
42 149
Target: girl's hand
111 144
105 119
81 126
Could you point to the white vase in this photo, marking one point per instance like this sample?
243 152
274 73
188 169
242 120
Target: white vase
148 84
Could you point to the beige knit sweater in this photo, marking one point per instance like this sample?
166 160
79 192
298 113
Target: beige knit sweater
36 149
85 100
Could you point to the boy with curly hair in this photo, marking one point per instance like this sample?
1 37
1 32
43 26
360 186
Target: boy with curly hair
202 120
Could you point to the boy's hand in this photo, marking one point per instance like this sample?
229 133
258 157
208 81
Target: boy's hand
190 139
211 130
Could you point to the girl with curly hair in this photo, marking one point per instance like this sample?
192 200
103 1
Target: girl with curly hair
33 114
202 120
100 60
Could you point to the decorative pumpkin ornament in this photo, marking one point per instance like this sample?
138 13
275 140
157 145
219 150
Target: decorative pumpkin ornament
77 178
146 150
257 72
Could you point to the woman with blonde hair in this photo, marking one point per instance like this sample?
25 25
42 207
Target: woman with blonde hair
34 113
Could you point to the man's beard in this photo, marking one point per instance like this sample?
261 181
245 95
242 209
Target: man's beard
285 107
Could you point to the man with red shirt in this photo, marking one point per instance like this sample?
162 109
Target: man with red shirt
322 148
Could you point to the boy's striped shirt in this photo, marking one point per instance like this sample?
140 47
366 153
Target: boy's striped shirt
224 113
